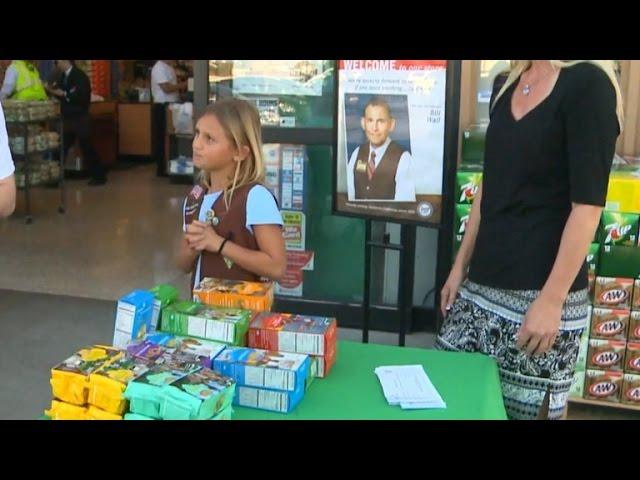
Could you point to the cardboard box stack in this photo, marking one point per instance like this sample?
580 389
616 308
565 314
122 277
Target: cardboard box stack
267 380
314 336
170 380
183 360
178 388
608 366
70 381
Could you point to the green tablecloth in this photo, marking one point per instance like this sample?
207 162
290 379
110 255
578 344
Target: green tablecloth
467 382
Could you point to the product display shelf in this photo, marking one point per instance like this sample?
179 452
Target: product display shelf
23 125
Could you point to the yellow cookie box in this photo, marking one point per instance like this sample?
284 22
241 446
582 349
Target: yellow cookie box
66 411
107 394
94 413
107 385
69 380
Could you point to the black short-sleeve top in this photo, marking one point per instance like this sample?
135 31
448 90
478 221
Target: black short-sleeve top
535 168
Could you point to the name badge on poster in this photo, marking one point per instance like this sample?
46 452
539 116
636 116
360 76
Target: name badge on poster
361 166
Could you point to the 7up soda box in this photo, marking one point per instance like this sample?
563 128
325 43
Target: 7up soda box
467 185
592 258
619 228
619 262
462 218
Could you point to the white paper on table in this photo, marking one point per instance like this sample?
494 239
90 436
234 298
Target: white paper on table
420 406
408 386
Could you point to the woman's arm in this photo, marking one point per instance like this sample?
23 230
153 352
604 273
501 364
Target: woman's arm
542 320
463 258
577 236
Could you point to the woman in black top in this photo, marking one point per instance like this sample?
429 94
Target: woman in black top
549 148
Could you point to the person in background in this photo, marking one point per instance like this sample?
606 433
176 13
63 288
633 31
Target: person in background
22 82
7 180
165 88
74 93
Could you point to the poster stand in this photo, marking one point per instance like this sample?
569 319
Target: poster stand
407 245
406 249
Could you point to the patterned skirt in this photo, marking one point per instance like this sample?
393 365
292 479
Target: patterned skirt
487 320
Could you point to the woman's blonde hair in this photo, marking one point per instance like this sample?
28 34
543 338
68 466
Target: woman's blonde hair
241 124
608 66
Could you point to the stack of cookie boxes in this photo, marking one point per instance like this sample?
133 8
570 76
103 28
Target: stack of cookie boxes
276 332
608 367
300 347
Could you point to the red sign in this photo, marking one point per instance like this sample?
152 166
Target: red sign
391 64
292 278
298 260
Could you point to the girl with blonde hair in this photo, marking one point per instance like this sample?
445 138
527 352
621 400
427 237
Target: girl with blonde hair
232 225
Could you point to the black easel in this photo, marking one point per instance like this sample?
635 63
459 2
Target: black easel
407 249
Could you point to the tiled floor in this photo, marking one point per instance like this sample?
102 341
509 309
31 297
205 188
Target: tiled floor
111 240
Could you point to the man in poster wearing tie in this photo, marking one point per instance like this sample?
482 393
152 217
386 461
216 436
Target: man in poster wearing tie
380 169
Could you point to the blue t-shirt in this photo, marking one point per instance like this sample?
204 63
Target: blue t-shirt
262 209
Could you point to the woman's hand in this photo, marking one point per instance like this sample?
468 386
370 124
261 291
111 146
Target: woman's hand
540 327
450 290
201 236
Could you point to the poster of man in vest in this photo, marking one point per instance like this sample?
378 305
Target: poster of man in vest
380 167
390 139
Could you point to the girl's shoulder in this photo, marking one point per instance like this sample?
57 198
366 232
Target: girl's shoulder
262 206
260 194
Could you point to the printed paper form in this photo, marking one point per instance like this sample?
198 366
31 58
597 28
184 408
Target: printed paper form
408 386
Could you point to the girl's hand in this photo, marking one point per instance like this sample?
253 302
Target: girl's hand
540 327
201 236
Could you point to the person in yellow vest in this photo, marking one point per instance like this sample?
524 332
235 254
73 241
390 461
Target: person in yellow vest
22 82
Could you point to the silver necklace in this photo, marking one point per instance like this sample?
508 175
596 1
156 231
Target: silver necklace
526 90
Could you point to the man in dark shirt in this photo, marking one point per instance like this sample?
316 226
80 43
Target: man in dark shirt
74 93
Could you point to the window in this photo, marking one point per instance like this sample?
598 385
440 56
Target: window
287 93
486 74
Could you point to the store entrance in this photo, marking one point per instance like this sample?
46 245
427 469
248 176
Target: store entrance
108 239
